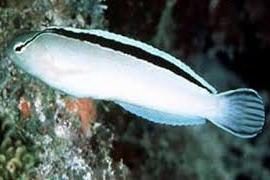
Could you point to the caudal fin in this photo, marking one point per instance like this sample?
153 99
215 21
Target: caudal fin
241 112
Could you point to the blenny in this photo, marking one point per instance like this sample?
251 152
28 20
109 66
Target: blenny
140 78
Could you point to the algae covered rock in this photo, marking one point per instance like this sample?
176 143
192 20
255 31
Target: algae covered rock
44 133
17 156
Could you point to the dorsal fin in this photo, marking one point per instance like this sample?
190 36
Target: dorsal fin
135 48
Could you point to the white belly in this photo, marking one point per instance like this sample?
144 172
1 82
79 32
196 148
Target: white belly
101 73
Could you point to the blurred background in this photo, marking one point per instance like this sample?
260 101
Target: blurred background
47 134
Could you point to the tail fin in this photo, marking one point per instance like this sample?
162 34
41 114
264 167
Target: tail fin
241 113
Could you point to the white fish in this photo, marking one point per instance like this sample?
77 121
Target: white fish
142 79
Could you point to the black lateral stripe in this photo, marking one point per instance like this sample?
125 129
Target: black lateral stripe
20 47
128 49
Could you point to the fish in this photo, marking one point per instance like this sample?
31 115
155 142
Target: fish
145 81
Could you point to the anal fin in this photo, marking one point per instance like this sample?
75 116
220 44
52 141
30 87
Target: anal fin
161 117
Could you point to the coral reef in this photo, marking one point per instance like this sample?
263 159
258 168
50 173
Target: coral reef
17 155
86 109
63 148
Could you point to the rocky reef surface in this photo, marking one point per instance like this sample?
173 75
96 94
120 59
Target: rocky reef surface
46 134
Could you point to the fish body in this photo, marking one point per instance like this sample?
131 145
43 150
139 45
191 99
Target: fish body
143 80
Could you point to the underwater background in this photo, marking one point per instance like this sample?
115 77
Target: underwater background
46 134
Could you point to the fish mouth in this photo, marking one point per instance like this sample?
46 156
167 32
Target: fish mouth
19 39
22 37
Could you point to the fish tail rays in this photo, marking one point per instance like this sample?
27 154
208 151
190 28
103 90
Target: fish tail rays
241 113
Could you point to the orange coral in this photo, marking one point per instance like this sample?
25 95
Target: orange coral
86 109
24 107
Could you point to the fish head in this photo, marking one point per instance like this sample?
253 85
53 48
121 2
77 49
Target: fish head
33 52
20 52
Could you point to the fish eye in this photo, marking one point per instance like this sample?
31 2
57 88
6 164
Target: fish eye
18 47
